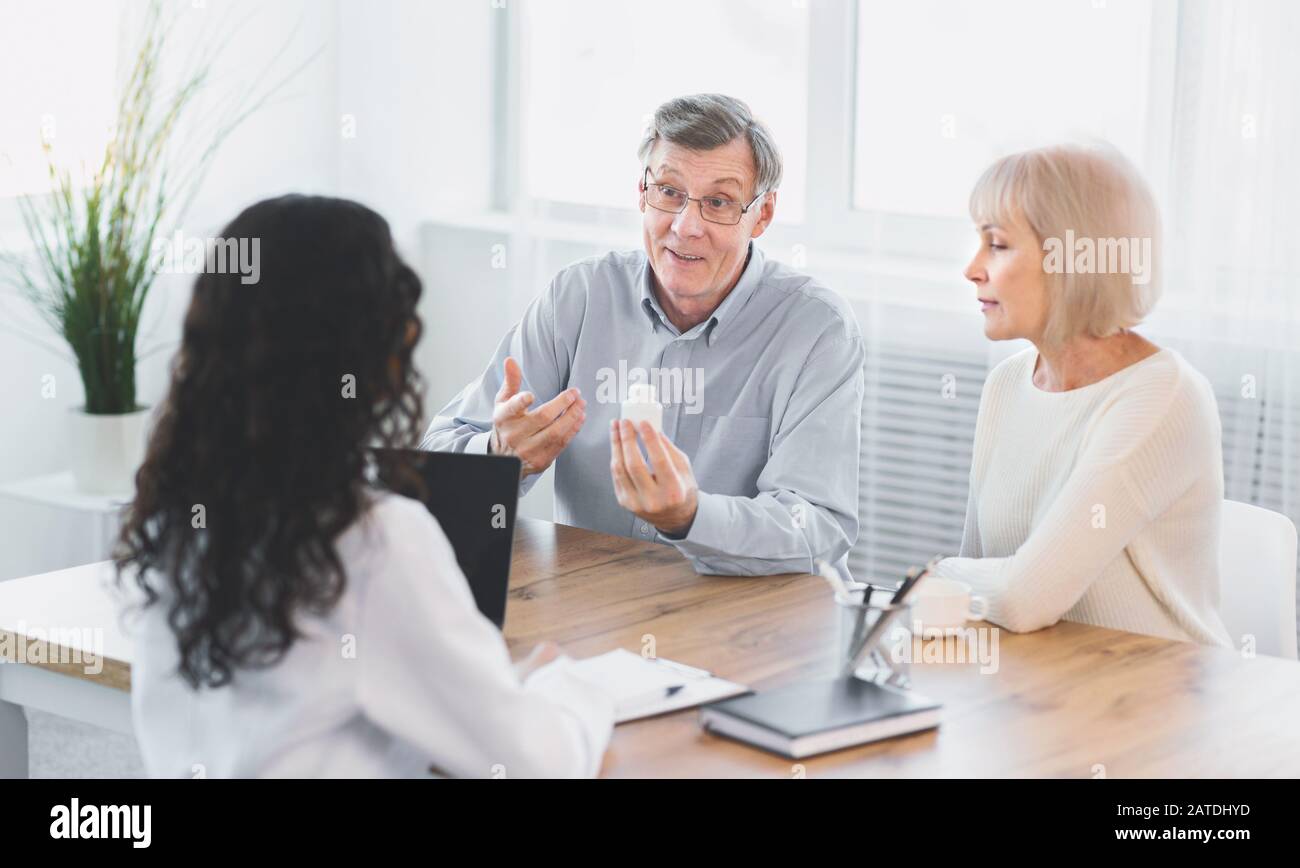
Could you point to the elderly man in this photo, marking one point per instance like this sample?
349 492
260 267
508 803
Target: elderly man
759 370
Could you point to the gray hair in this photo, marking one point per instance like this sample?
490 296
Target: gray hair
710 120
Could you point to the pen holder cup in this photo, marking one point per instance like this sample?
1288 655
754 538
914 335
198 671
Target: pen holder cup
889 661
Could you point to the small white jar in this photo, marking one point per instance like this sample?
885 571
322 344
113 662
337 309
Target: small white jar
642 406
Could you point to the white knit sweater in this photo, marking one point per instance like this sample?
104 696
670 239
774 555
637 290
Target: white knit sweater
1100 504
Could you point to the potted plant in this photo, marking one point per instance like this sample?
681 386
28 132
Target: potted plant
92 264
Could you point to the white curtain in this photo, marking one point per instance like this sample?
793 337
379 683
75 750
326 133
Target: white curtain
1232 291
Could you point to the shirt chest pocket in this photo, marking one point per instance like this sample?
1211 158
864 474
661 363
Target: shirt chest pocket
733 452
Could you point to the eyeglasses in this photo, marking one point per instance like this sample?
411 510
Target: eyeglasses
715 209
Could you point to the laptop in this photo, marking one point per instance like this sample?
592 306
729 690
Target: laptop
474 498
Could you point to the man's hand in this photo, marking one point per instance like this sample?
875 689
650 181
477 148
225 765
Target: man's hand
536 437
665 496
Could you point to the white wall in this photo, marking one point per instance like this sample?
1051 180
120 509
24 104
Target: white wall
392 107
291 145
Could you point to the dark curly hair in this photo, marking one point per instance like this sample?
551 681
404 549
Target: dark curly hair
278 391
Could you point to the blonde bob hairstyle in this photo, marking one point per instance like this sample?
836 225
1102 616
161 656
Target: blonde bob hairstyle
1073 197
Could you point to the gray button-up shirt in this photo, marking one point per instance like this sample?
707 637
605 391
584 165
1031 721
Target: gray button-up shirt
764 396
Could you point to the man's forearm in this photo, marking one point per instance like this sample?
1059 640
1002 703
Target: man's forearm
447 434
774 532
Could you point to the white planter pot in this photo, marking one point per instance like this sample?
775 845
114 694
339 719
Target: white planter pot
107 450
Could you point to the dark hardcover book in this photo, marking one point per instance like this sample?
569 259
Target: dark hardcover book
812 717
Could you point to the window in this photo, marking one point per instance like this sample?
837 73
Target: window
944 88
593 71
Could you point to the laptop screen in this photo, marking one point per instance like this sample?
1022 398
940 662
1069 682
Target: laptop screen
474 498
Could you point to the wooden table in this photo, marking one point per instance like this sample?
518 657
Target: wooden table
1070 701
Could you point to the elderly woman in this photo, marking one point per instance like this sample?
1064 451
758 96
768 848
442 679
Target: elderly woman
1097 476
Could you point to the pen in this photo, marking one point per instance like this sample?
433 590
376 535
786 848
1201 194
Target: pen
689 671
910 581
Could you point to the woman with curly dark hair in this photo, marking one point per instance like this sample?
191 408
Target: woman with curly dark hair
297 621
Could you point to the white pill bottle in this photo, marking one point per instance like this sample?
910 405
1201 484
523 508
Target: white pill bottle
642 406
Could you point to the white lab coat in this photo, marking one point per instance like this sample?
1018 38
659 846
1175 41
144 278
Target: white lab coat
402 674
